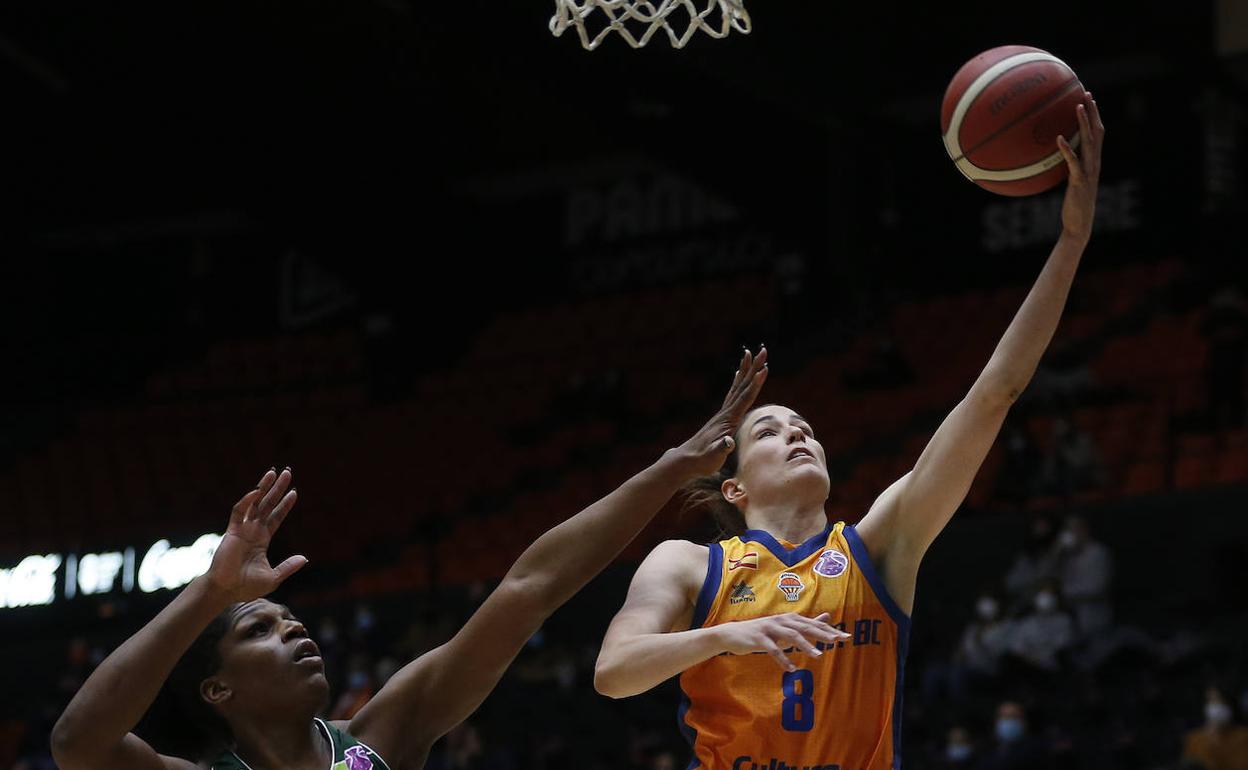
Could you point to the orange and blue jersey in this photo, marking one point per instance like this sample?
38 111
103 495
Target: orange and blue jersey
838 711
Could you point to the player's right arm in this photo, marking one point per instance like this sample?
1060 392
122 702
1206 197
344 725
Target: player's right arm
94 732
649 640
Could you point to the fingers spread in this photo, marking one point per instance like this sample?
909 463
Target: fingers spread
266 481
1085 128
289 567
822 631
279 512
800 641
1072 162
239 513
274 494
751 386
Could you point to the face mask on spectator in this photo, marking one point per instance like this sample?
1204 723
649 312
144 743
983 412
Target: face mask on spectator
1067 539
986 608
958 752
1046 601
1217 714
1009 729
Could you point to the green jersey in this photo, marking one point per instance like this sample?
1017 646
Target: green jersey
347 752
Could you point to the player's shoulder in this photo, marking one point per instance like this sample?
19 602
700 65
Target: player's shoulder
680 549
679 558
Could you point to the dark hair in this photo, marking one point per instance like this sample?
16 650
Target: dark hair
706 493
180 722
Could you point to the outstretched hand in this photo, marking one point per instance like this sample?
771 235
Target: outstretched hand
706 451
240 568
1079 207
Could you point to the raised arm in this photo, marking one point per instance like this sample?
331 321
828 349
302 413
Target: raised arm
94 732
905 520
437 691
650 641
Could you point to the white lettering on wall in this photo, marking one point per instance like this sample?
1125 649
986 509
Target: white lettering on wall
1024 222
31 582
165 567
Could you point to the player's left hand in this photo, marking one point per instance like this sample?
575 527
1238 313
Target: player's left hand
240 569
1079 207
705 452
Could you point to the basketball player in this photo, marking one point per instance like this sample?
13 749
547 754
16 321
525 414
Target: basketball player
829 605
252 682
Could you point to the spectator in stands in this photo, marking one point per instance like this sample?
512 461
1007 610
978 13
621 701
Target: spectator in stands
959 750
1035 564
1218 744
359 691
1014 748
1226 329
978 655
985 639
1040 638
1073 463
1085 569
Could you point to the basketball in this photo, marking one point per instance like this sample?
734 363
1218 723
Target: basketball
1001 115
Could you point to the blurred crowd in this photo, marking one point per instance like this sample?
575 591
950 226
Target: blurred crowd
1043 675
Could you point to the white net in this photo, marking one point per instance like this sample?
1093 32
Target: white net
638 20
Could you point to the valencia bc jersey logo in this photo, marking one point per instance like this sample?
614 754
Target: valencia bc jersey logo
791 585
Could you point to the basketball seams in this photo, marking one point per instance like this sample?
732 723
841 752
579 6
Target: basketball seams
974 91
1014 174
1066 88
977 86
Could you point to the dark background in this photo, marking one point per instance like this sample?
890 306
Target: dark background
314 223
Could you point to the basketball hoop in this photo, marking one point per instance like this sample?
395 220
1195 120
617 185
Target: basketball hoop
637 20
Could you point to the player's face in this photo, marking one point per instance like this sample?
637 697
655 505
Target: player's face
779 457
267 657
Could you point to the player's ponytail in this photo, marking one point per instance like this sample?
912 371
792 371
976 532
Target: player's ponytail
180 722
705 493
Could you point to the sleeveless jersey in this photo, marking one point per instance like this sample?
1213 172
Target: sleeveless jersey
347 752
838 711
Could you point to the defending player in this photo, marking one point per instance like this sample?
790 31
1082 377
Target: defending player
254 681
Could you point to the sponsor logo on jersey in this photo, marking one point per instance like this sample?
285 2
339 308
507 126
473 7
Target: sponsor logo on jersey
747 763
832 563
748 560
741 593
791 585
357 758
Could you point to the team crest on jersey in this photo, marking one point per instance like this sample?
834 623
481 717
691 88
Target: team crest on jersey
832 563
748 560
791 584
741 593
